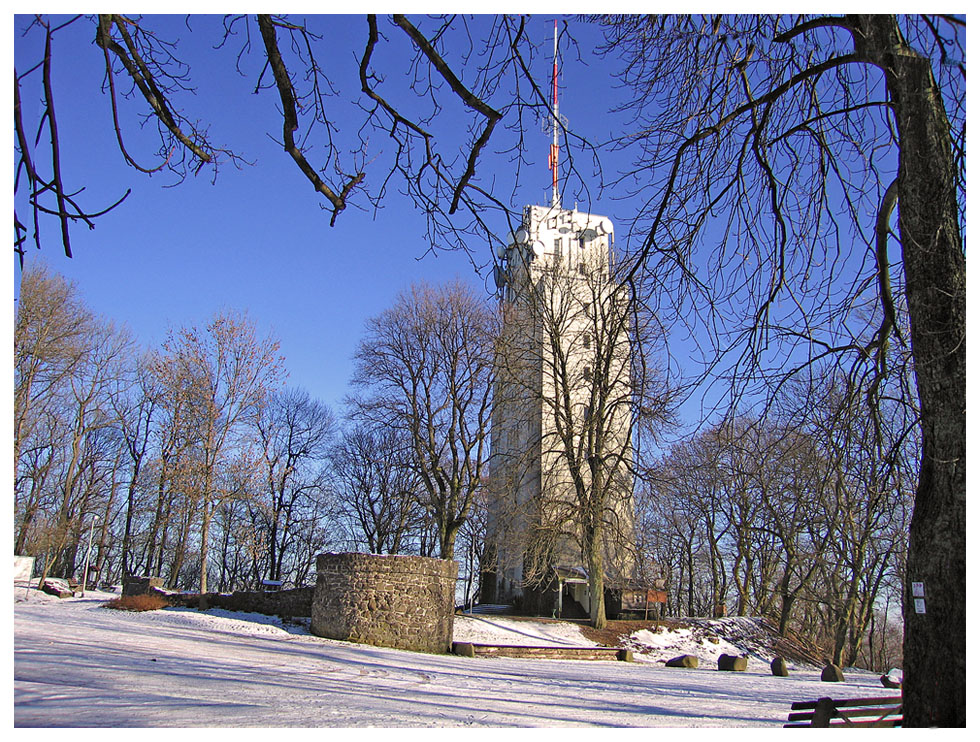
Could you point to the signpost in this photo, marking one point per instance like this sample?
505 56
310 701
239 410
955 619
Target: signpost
88 553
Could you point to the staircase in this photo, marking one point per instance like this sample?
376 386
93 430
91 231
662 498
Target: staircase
489 609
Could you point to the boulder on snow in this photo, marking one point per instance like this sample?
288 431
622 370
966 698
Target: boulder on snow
139 585
685 660
778 667
57 587
890 681
832 674
731 663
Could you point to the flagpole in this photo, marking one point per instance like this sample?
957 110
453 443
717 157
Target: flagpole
553 160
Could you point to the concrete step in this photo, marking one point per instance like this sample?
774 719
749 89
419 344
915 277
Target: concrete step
467 649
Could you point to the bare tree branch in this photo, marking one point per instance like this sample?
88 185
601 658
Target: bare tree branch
287 97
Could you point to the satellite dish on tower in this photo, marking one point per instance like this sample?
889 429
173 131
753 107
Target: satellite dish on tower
521 236
538 248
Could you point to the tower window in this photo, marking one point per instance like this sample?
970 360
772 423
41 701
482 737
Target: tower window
587 340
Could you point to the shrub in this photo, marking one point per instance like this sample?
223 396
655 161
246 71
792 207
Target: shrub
146 602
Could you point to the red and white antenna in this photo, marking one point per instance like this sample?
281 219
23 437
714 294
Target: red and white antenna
553 156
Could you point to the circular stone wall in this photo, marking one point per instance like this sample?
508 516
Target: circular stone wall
404 602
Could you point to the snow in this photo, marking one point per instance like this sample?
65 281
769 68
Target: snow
77 664
510 631
704 639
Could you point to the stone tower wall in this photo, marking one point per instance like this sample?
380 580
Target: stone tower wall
404 602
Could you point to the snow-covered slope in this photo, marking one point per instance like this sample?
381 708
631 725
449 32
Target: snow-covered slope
79 664
706 639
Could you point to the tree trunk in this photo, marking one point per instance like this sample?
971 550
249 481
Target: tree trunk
180 547
597 599
206 513
935 275
690 579
786 607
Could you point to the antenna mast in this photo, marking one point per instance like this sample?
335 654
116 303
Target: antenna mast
553 157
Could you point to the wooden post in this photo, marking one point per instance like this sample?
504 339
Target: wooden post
823 713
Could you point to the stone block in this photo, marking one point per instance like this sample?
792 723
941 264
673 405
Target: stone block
685 660
141 585
891 682
832 674
731 663
58 587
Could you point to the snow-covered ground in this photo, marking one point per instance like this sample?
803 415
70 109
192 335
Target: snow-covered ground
79 664
511 631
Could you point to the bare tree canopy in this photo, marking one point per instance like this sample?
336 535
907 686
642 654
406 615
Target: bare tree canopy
803 182
378 489
294 432
425 369
357 128
224 371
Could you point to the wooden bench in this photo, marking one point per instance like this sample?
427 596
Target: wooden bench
848 712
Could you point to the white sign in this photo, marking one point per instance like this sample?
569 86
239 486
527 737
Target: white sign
920 605
23 568
918 590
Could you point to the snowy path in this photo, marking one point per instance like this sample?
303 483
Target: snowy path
77 664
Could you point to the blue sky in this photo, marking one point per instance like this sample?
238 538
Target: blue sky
257 239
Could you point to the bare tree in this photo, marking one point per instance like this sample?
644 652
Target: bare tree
107 435
866 506
37 468
425 368
377 487
294 432
226 372
51 332
797 516
85 420
799 512
173 460
134 402
803 135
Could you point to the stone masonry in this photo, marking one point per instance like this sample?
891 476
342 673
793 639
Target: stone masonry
405 602
294 603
